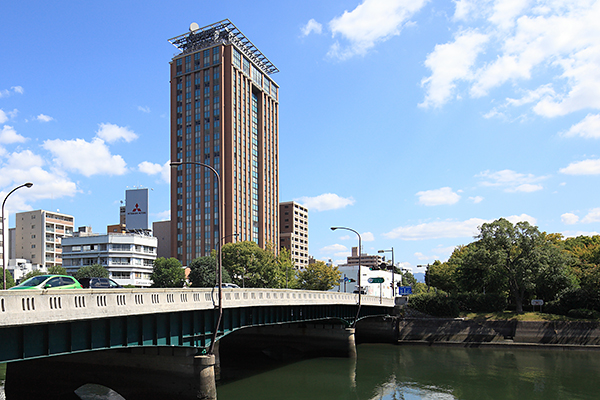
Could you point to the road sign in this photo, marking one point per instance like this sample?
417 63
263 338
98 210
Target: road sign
537 302
404 290
376 280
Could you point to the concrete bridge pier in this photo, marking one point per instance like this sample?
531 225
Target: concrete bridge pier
207 386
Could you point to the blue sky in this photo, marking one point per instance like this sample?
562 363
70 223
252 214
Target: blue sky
412 122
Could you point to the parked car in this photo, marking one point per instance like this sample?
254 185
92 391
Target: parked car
99 283
49 282
226 285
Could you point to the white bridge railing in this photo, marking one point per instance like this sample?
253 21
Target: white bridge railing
25 307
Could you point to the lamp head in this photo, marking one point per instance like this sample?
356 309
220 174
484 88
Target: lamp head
381 251
333 228
29 184
176 163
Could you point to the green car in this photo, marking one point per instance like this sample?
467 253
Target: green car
48 282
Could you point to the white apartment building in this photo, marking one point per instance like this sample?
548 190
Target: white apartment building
128 257
39 234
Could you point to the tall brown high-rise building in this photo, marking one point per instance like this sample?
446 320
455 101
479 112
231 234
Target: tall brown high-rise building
224 113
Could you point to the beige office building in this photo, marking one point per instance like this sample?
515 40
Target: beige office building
225 114
293 232
38 236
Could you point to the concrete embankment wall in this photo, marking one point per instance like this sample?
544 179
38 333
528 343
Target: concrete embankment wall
471 333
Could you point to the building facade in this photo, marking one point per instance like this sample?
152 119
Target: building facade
293 232
225 114
39 235
128 257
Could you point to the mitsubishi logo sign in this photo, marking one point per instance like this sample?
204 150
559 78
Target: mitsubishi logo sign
136 204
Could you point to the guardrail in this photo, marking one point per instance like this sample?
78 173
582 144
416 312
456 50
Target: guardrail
27 307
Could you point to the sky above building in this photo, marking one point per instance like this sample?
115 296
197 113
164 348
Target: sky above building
412 122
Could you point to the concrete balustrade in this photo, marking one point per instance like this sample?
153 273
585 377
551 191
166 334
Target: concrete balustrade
27 307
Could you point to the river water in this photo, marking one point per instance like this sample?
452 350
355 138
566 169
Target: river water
405 372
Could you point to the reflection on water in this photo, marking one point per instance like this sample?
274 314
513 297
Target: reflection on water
418 372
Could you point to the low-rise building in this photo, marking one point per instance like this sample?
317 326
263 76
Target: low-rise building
128 257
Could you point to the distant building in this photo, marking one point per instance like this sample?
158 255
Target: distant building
162 231
118 228
293 232
366 260
128 257
20 267
39 235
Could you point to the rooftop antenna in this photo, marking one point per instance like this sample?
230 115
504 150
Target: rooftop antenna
194 27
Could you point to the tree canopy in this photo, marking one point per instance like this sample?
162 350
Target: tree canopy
203 272
319 276
167 273
91 271
10 281
57 270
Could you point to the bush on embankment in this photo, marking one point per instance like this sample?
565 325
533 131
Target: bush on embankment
441 304
576 303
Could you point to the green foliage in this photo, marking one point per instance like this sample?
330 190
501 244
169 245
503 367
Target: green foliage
319 276
203 272
10 281
57 270
441 275
91 271
583 313
575 298
437 304
288 275
28 275
167 273
250 266
480 302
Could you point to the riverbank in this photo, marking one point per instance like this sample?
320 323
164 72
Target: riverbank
478 333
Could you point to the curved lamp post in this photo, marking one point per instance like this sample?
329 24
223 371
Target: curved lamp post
4 252
393 269
333 228
220 257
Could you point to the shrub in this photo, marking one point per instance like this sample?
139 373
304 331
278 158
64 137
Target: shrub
583 313
436 304
575 299
481 302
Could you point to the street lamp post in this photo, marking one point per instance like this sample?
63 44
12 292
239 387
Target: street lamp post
220 256
393 270
333 228
4 252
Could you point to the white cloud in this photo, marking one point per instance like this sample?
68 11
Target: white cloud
511 181
437 230
592 216
569 218
6 115
585 167
476 199
326 201
144 109
9 135
569 234
371 22
44 118
367 237
334 248
449 63
26 166
111 133
311 26
448 228
15 89
588 128
87 158
163 215
438 197
549 50
153 169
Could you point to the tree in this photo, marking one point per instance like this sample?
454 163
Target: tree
91 271
441 275
57 270
522 253
10 281
250 266
167 273
319 276
203 272
288 277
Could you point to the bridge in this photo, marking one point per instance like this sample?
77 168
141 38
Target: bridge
42 324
